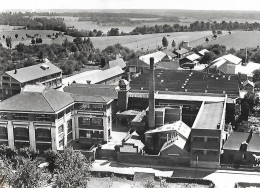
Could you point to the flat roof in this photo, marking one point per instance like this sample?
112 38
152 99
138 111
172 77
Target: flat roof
210 116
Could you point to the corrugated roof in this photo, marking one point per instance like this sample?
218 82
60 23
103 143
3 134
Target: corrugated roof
27 74
178 126
92 90
210 116
158 56
49 101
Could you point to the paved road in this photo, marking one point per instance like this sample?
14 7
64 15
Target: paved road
221 178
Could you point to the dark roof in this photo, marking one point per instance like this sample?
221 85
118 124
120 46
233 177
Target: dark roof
118 62
236 138
48 100
137 63
92 90
26 74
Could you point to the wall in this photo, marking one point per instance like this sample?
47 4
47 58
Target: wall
236 157
150 160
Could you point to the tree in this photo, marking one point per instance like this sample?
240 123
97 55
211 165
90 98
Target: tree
113 32
256 75
23 173
214 32
33 41
8 41
40 40
165 42
244 111
207 39
20 47
72 169
99 33
74 48
207 58
16 35
173 43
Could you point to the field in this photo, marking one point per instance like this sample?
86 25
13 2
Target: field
27 41
150 41
239 39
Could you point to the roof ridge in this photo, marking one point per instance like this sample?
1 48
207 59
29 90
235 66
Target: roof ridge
47 100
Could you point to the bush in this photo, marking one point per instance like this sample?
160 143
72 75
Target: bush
29 153
50 157
6 151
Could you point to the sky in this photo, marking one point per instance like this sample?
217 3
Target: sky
131 4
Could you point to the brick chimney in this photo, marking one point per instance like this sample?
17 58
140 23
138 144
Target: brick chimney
151 118
123 95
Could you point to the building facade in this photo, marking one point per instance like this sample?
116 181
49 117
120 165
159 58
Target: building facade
44 73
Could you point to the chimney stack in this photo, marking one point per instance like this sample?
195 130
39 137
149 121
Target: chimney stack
151 118
15 71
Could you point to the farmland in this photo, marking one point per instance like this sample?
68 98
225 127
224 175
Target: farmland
239 39
150 41
27 41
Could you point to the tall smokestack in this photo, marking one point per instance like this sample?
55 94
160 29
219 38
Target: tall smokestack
151 118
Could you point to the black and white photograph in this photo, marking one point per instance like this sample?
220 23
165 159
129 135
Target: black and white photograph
129 94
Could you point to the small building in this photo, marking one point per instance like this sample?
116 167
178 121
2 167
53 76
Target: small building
226 64
181 52
118 62
158 56
241 148
156 138
44 73
192 59
248 86
132 144
177 147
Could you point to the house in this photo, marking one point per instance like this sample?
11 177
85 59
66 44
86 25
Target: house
247 69
242 148
226 64
248 86
44 73
118 62
181 52
156 138
207 135
192 59
158 56
44 118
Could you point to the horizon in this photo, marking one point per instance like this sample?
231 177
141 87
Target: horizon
189 5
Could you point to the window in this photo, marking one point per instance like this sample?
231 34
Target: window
21 133
43 135
212 152
69 127
3 133
84 106
6 78
43 146
60 129
108 119
20 116
197 152
3 115
61 114
84 121
85 133
98 107
19 145
97 134
212 139
69 137
97 121
198 139
61 143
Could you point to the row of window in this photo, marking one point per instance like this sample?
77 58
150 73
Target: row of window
90 134
87 121
204 152
204 139
88 106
